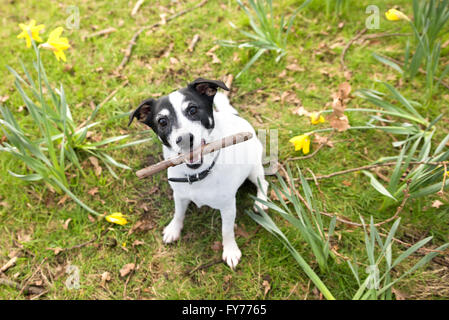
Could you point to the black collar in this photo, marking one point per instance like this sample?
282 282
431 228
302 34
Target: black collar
191 178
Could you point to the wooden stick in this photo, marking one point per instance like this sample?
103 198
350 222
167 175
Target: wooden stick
205 149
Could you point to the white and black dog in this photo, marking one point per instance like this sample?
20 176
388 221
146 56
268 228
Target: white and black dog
186 119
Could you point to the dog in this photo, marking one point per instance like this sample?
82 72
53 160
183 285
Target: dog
184 120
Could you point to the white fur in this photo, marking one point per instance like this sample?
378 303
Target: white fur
233 166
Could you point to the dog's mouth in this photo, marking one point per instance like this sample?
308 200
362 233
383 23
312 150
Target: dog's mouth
195 160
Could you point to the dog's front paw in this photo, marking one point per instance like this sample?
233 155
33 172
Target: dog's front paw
232 255
172 232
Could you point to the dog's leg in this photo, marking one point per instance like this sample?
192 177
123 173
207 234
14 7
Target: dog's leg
258 178
231 252
173 230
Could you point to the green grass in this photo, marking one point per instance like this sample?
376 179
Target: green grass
33 210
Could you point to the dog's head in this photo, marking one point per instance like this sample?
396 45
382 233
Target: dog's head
184 119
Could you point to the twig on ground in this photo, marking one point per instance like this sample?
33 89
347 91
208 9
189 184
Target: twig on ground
307 156
136 35
204 266
348 45
193 43
81 245
136 7
15 285
383 35
129 277
11 263
100 33
25 285
408 245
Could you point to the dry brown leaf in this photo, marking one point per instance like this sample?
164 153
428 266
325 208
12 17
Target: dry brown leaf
215 59
228 82
141 226
24 237
4 98
56 250
301 111
173 61
91 219
347 183
105 277
294 67
339 123
338 120
266 286
137 243
163 18
323 140
437 204
63 199
344 90
93 191
398 294
127 268
96 165
66 224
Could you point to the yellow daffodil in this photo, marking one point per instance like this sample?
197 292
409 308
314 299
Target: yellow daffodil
57 44
301 142
117 218
395 15
31 28
316 118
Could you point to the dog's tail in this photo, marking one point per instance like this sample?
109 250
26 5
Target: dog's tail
222 103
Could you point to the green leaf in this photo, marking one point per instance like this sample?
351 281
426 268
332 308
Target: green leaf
378 186
388 62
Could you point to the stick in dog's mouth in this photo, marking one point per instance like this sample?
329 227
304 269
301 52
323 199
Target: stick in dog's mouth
195 159
203 150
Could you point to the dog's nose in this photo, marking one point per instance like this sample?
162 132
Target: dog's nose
185 139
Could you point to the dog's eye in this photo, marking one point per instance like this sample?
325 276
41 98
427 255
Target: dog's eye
163 122
192 110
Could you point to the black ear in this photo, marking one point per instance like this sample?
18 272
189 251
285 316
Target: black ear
207 87
142 111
